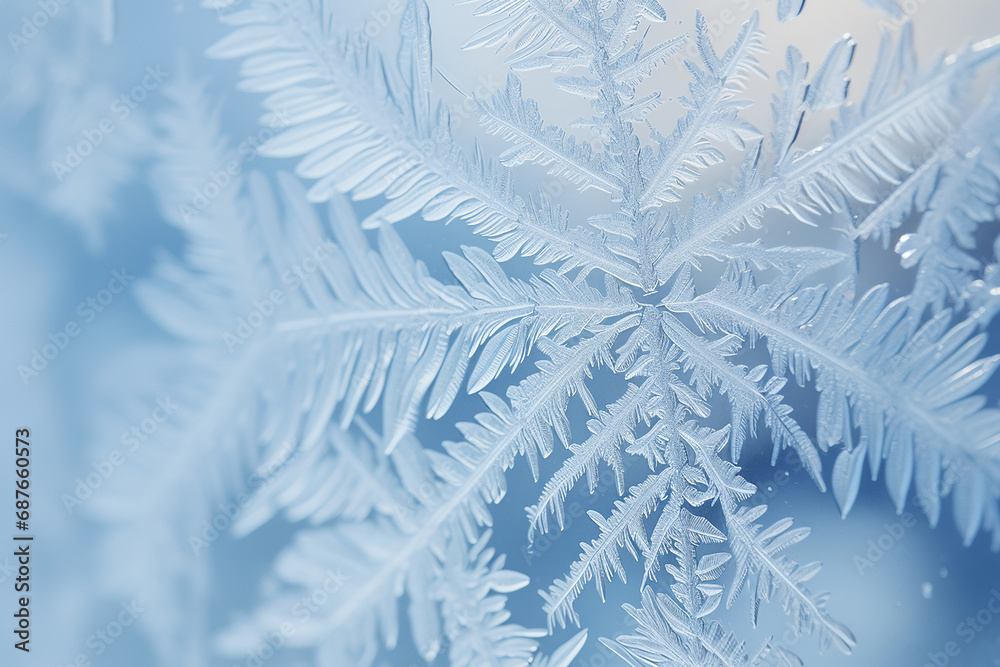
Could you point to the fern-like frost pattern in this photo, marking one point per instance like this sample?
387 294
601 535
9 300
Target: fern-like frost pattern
672 300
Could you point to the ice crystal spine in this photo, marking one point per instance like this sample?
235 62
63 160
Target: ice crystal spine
373 342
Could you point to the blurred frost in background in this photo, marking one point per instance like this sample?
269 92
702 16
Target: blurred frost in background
137 263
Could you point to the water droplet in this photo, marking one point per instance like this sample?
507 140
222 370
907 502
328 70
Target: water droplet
943 572
927 589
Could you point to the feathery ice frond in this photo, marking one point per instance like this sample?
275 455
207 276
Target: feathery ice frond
427 331
904 110
713 113
909 391
750 398
564 655
757 555
303 324
366 130
608 431
475 620
405 545
668 635
418 544
518 121
533 26
760 564
956 188
601 558
348 478
672 629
